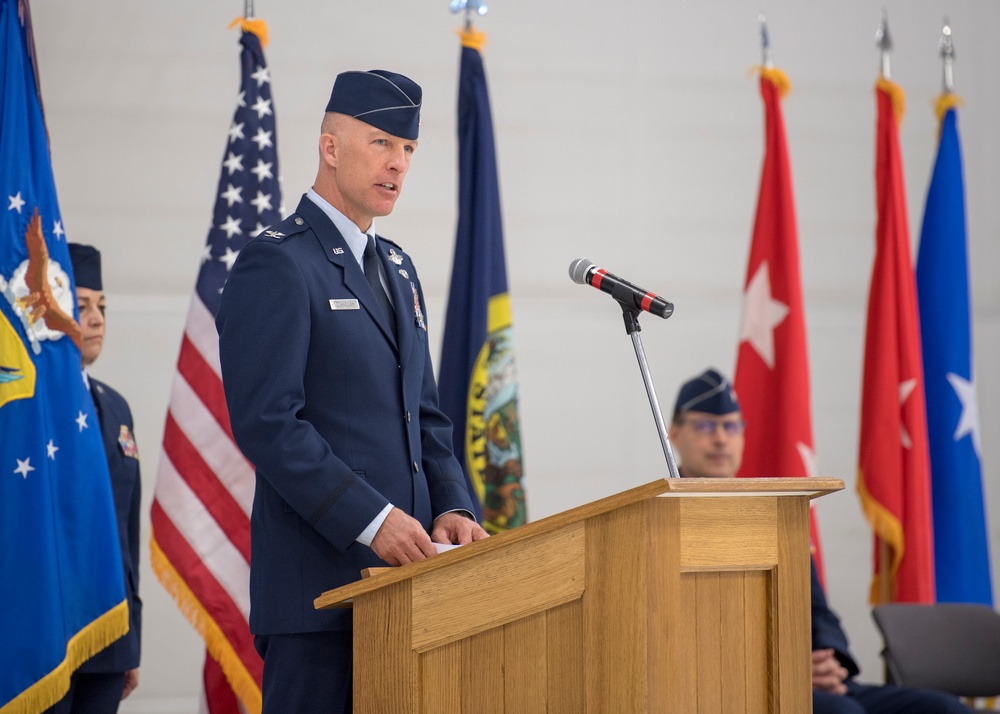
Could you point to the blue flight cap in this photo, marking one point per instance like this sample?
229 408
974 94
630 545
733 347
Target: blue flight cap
386 100
709 392
86 261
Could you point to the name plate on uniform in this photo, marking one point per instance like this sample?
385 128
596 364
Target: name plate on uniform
344 305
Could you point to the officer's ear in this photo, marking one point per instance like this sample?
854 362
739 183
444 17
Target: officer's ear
329 149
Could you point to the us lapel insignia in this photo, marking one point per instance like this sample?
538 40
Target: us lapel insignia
404 273
395 257
418 314
338 251
127 442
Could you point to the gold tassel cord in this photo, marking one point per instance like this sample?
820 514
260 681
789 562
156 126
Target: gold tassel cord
896 95
776 77
254 25
948 100
472 38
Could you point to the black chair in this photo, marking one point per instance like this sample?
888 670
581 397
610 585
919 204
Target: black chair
948 646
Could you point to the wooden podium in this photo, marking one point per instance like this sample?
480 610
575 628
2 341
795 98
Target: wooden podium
682 595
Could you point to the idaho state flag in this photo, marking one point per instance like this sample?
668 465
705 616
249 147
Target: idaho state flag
478 380
962 560
62 593
894 465
772 368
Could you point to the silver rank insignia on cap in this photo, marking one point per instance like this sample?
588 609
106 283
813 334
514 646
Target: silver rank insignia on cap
274 234
404 273
338 251
395 257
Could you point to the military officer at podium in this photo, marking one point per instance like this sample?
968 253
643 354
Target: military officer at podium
707 434
327 371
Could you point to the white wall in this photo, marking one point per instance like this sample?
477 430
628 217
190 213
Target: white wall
627 133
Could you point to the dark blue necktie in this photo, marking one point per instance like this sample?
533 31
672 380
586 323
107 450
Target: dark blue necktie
372 273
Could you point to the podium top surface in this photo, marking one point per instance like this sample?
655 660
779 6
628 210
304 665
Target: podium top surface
668 488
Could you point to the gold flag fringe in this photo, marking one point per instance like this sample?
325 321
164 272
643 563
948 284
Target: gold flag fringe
472 38
948 100
82 646
896 95
776 77
887 528
218 645
254 25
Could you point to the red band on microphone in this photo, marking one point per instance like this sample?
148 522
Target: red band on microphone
598 276
647 300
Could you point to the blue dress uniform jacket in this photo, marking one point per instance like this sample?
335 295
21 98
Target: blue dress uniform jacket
123 464
338 418
826 630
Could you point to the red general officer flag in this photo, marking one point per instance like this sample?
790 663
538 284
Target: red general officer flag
772 368
894 461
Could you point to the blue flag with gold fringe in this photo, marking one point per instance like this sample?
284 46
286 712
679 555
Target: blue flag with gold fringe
478 379
62 595
960 535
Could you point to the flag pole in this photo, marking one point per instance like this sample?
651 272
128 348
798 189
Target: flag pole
248 9
884 43
765 43
947 52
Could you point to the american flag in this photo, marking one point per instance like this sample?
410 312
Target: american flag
204 486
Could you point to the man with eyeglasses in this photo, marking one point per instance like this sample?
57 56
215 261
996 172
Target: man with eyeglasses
707 435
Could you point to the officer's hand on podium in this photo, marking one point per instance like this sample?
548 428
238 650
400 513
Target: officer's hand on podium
456 528
401 539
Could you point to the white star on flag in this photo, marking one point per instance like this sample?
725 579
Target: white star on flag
262 138
16 202
236 131
58 231
761 315
23 467
233 163
262 106
262 202
52 449
241 99
81 421
207 253
229 258
262 75
232 194
968 423
231 227
808 456
262 170
906 388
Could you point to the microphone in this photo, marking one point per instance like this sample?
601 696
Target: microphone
583 271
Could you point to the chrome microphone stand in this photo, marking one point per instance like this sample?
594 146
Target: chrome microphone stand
631 317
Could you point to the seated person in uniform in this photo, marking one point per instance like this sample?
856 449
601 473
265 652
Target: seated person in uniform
707 436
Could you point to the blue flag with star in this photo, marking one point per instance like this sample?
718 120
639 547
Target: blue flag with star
960 533
478 380
62 595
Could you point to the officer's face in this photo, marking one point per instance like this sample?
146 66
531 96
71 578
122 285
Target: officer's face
709 446
369 169
91 306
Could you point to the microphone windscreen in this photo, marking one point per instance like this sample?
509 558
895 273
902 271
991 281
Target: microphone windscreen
578 270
